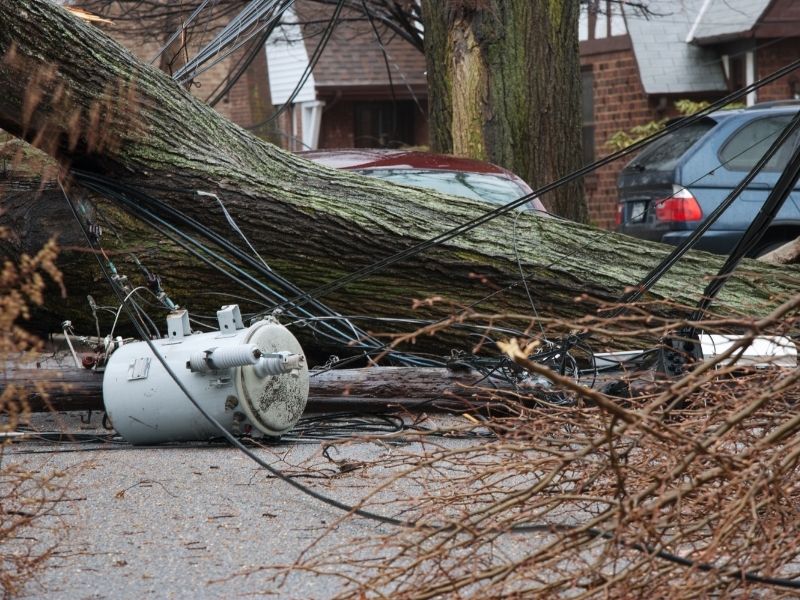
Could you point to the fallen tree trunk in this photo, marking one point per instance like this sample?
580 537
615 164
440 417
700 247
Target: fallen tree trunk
86 101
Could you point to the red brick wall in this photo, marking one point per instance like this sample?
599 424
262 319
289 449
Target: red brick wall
238 105
619 103
772 58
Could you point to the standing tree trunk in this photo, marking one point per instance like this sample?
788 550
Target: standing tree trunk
504 86
72 91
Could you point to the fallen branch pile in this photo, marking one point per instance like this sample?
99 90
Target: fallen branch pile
690 491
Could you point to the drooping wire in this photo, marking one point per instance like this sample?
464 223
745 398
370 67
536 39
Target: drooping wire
257 16
459 230
591 532
144 207
239 69
312 62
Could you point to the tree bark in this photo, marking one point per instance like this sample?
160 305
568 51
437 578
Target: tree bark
504 86
78 95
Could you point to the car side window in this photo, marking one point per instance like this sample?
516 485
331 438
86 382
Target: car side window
749 143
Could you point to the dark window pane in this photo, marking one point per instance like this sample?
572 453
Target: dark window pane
664 154
384 124
742 151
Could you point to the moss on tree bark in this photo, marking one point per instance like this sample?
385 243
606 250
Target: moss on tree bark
84 99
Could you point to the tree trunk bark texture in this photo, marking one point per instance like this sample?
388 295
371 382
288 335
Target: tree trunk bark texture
81 97
504 86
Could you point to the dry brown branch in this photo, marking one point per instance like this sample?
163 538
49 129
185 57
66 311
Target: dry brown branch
27 499
687 491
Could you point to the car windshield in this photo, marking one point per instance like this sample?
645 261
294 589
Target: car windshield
664 154
477 186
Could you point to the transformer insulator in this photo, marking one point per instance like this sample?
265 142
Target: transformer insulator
217 359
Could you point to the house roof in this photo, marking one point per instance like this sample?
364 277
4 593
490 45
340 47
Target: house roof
725 19
667 63
353 57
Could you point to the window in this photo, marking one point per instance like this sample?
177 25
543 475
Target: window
477 186
587 105
742 151
664 154
384 124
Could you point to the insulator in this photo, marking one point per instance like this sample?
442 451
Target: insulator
217 359
278 364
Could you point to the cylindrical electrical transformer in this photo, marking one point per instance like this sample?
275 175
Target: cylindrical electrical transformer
253 380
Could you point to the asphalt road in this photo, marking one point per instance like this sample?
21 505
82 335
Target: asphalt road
190 522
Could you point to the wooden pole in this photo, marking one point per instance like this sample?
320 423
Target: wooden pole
53 382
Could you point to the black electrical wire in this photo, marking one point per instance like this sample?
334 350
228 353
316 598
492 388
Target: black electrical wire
242 65
544 527
437 240
780 192
492 214
232 37
649 280
652 277
312 62
299 322
125 196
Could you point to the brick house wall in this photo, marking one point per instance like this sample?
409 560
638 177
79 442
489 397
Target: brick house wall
243 104
620 102
772 57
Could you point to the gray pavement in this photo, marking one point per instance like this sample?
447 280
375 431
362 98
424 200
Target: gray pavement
188 522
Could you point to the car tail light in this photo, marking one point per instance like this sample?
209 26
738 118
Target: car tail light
618 218
681 207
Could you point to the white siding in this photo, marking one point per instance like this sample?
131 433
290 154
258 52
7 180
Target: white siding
287 59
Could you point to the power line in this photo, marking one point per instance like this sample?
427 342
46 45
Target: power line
493 214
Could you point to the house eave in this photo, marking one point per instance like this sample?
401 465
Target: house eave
373 91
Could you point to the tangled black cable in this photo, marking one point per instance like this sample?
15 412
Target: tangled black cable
356 510
434 241
149 209
458 230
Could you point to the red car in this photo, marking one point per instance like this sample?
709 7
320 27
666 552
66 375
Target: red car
447 174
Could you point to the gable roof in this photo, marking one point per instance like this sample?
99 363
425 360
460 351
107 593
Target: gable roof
667 63
353 58
725 19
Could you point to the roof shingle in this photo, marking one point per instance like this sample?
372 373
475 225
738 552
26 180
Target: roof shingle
353 56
